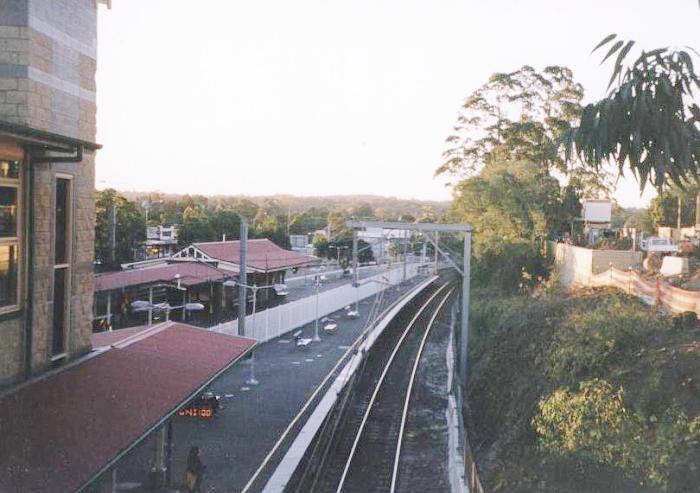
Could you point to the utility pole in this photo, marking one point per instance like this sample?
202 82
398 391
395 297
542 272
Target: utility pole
437 253
242 277
464 335
405 252
318 285
113 234
355 272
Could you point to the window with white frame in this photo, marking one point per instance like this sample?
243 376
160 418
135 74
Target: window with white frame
10 193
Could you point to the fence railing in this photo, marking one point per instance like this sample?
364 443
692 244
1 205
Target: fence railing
273 322
469 476
653 291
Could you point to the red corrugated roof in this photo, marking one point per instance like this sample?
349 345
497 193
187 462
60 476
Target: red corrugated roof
107 338
262 254
57 433
190 273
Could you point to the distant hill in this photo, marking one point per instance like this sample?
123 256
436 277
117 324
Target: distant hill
382 207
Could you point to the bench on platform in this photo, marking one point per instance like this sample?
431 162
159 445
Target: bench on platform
300 341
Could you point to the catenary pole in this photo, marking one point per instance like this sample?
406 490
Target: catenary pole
464 335
242 277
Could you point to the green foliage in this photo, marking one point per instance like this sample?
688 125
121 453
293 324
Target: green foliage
592 425
648 122
546 406
510 265
663 209
320 243
516 116
513 201
130 228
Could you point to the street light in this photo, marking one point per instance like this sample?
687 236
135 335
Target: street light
318 285
338 249
141 305
254 288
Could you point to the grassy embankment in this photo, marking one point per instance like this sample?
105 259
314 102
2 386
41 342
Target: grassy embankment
592 391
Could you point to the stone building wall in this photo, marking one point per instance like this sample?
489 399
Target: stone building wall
48 58
48 53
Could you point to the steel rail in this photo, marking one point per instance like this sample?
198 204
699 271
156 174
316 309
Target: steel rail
313 396
409 391
381 380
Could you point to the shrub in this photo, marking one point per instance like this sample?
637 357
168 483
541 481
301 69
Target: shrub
510 265
593 425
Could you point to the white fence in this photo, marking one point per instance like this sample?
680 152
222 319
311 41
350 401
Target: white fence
270 323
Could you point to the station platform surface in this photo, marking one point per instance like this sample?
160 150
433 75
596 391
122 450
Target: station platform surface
236 441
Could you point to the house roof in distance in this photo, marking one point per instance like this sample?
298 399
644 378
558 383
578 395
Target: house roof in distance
60 432
262 255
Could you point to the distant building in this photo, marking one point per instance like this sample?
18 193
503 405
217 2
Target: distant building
597 217
195 273
380 240
301 244
161 241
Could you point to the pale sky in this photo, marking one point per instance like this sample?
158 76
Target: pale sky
331 97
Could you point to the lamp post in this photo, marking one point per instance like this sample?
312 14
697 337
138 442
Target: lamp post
251 380
318 285
140 305
338 249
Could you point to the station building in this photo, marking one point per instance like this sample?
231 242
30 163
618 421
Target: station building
70 410
201 272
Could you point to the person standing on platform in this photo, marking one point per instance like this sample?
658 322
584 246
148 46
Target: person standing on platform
195 471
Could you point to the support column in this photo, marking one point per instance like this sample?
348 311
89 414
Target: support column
109 310
150 306
437 253
242 278
405 252
355 271
169 454
464 336
158 473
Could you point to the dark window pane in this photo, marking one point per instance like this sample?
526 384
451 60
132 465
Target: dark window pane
9 169
62 220
8 275
59 310
8 212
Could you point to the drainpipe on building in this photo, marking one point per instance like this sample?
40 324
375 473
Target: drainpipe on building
29 305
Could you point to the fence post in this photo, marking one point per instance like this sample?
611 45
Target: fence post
629 280
658 292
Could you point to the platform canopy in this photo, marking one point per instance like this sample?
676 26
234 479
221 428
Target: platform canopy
263 255
64 430
187 274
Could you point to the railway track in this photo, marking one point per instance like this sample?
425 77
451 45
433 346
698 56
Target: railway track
364 454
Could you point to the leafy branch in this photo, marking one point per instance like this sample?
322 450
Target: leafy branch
648 120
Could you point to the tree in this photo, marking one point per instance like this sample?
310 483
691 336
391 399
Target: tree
130 228
519 116
513 200
663 209
320 243
195 226
225 222
647 122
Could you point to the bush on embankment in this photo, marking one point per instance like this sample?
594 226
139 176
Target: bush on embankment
587 392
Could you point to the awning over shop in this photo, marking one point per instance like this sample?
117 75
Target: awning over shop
63 430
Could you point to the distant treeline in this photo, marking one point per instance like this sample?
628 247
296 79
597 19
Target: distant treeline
202 218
